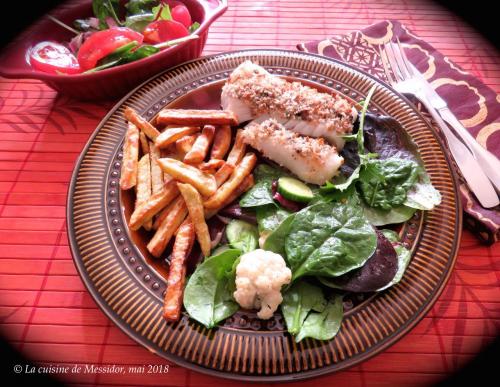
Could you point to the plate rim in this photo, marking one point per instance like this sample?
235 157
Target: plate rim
301 375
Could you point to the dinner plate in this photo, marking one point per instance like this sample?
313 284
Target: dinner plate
129 286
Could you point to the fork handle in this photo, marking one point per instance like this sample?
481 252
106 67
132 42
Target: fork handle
469 167
489 162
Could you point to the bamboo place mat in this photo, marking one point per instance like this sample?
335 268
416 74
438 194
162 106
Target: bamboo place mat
45 311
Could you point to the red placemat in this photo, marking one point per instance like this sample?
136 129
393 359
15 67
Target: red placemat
45 310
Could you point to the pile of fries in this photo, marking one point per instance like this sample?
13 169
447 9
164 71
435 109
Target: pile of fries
181 179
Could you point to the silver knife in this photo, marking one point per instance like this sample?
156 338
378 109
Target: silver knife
489 163
476 179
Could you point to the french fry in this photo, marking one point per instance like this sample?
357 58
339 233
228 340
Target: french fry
184 144
177 212
242 170
222 141
130 160
170 152
184 240
199 150
223 174
143 187
197 214
211 164
186 221
185 173
195 117
143 140
242 188
157 182
159 218
171 135
238 149
245 185
155 204
148 129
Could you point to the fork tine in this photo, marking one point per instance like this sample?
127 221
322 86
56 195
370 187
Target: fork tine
406 61
393 64
401 63
383 58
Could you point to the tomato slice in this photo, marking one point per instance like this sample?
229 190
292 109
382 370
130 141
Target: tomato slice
53 58
164 30
181 14
103 43
172 3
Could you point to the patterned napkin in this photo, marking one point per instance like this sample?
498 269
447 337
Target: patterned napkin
475 105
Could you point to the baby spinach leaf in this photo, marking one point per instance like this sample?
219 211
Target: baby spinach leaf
270 217
275 242
386 137
423 195
378 270
138 7
384 183
140 13
208 296
220 249
298 301
404 256
242 235
335 195
327 239
261 193
139 22
324 325
379 217
308 314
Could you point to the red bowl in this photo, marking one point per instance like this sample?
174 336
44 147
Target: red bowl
112 82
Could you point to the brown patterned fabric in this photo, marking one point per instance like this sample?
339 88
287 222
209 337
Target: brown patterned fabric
475 105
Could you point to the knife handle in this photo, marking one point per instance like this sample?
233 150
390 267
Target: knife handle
488 161
476 179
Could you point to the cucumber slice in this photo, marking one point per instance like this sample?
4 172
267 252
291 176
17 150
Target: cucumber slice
293 189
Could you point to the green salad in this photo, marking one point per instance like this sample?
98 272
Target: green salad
336 239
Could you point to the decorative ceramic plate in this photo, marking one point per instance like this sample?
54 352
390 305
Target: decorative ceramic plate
129 287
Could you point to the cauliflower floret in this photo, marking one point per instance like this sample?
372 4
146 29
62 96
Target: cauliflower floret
259 278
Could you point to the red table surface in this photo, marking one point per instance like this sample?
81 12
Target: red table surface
45 311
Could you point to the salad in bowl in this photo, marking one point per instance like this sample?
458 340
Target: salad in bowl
100 49
117 33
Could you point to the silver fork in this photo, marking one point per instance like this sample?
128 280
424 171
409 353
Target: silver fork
488 161
404 80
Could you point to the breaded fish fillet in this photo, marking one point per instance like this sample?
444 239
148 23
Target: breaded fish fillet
311 159
252 93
